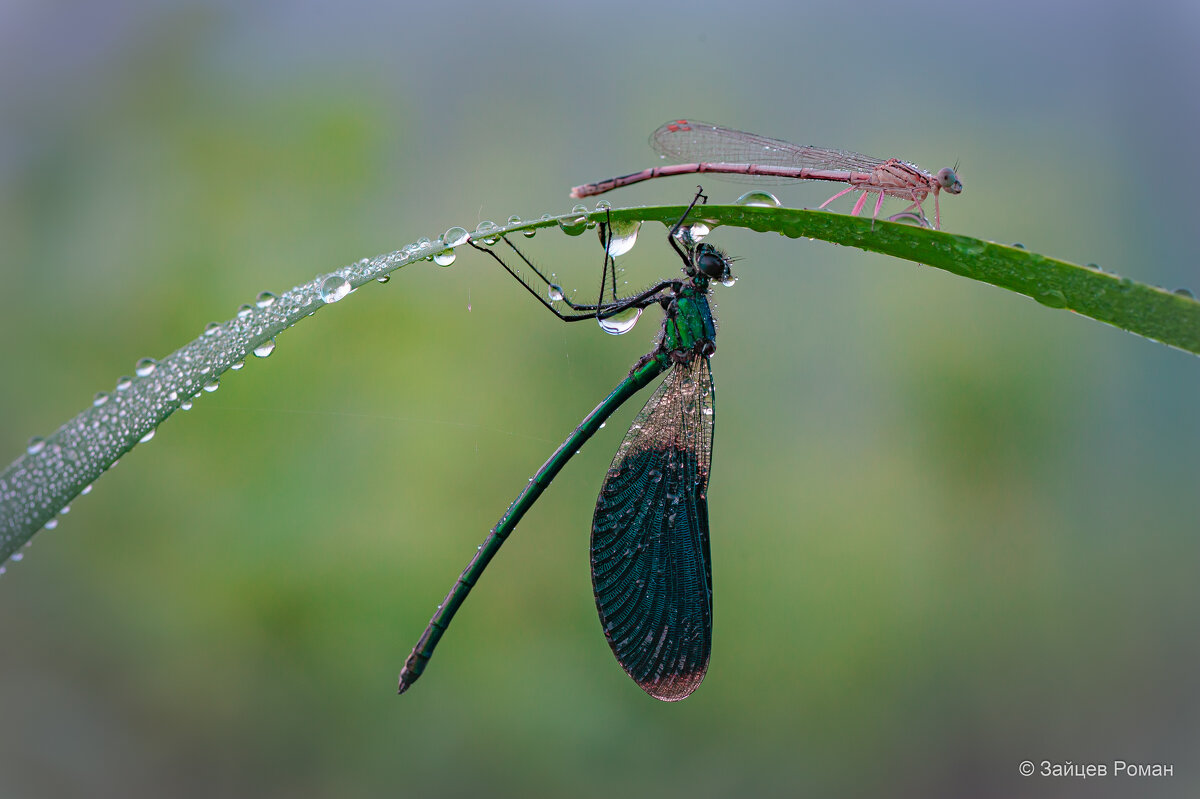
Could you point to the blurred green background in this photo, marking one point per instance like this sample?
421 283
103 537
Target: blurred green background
952 529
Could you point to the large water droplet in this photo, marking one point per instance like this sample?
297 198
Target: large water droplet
624 236
514 220
265 349
576 222
622 322
455 236
758 199
334 288
186 405
236 365
555 292
146 437
212 329
212 385
444 258
383 278
265 299
145 367
244 311
124 382
100 398
729 281
485 232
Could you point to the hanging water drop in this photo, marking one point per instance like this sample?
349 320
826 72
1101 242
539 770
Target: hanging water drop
383 278
186 405
624 236
485 232
621 322
212 385
576 222
455 236
555 292
265 299
444 258
758 199
236 365
52 524
334 288
265 349
729 281
146 437
145 367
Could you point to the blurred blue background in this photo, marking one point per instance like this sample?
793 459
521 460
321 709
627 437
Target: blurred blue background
952 529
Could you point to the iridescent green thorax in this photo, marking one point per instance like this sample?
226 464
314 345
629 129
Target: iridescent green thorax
689 325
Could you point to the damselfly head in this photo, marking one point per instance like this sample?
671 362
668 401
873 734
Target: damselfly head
949 181
711 262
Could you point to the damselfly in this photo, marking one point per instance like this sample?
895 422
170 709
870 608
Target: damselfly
649 550
703 147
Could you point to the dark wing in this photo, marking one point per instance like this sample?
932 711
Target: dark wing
650 561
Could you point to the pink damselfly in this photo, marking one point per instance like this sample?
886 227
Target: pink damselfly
703 147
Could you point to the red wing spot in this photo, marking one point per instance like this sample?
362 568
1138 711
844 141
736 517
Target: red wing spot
673 128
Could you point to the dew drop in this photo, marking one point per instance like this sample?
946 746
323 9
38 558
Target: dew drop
1185 293
1018 245
87 490
455 236
145 367
514 220
758 199
35 445
100 398
729 281
52 524
186 405
485 231
265 349
334 288
622 322
383 278
624 236
124 383
244 311
212 385
574 223
212 329
17 557
236 365
444 258
529 232
265 299
1052 298
146 437
555 292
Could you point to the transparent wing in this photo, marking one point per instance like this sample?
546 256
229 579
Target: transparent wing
687 141
650 556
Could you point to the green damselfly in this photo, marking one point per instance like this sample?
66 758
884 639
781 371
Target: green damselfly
651 571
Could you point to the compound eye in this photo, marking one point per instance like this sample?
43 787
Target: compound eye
711 264
948 180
